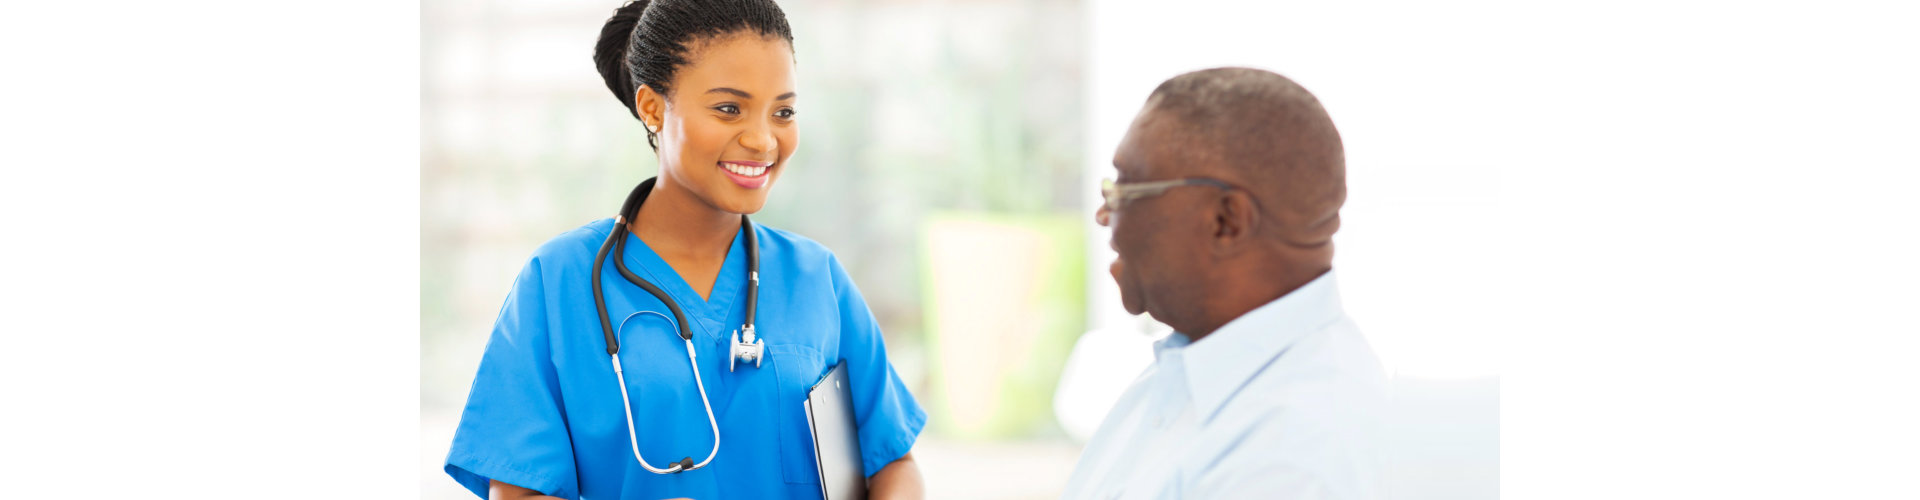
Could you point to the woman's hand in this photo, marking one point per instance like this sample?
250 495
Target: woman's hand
899 480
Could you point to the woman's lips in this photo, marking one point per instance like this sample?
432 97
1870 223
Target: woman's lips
747 174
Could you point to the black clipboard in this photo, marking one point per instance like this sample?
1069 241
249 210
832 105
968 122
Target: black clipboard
836 438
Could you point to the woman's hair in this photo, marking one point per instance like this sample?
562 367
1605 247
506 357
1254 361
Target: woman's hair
646 41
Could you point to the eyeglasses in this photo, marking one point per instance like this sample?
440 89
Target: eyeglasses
1118 194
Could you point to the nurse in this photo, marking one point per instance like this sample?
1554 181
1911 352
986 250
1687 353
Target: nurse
713 83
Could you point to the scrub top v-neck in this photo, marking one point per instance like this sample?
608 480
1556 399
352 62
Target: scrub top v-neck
545 410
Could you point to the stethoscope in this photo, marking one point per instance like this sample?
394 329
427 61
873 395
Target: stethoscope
745 346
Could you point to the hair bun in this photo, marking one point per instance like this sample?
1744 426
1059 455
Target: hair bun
610 53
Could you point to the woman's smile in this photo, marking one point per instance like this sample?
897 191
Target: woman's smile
747 174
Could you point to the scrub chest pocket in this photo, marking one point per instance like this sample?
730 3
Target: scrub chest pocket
798 367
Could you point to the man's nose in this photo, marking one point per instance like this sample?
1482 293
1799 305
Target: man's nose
1103 216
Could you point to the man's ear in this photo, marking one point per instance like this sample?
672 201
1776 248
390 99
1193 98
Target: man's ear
1236 219
651 106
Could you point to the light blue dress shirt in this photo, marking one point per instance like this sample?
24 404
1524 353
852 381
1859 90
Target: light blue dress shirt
1285 401
545 410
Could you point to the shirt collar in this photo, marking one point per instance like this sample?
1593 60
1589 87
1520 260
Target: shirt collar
1171 342
1221 363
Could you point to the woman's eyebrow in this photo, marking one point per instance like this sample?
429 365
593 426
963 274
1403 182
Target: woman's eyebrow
744 95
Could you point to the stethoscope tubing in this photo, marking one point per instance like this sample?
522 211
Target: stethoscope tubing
615 245
633 437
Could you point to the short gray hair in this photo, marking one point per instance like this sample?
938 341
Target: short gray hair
1269 133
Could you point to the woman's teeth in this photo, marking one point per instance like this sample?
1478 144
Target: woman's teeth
744 170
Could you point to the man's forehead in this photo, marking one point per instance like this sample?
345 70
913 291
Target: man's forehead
1152 145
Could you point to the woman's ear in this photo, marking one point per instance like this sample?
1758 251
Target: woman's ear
651 106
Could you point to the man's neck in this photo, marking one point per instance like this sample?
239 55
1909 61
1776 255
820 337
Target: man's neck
1242 293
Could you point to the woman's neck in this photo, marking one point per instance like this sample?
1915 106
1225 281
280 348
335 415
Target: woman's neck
679 226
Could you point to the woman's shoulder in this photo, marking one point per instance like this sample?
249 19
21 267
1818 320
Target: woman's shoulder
792 248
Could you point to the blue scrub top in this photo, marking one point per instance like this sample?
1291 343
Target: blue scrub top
544 412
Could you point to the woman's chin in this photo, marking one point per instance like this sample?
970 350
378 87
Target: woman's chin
744 205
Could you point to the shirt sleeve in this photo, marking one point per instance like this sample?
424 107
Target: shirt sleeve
889 418
512 429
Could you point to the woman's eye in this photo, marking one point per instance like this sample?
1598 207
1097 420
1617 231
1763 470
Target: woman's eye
728 109
785 114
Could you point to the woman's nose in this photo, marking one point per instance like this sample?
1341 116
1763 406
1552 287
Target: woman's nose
759 138
1102 216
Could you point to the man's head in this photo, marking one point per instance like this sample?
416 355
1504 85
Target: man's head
1193 254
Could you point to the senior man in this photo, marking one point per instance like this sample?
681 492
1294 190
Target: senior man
1229 193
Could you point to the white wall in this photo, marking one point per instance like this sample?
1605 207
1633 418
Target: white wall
1416 108
1681 233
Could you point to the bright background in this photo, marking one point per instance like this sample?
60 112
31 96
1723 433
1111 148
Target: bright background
949 155
1696 266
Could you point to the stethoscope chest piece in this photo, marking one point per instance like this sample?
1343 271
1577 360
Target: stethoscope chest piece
747 348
